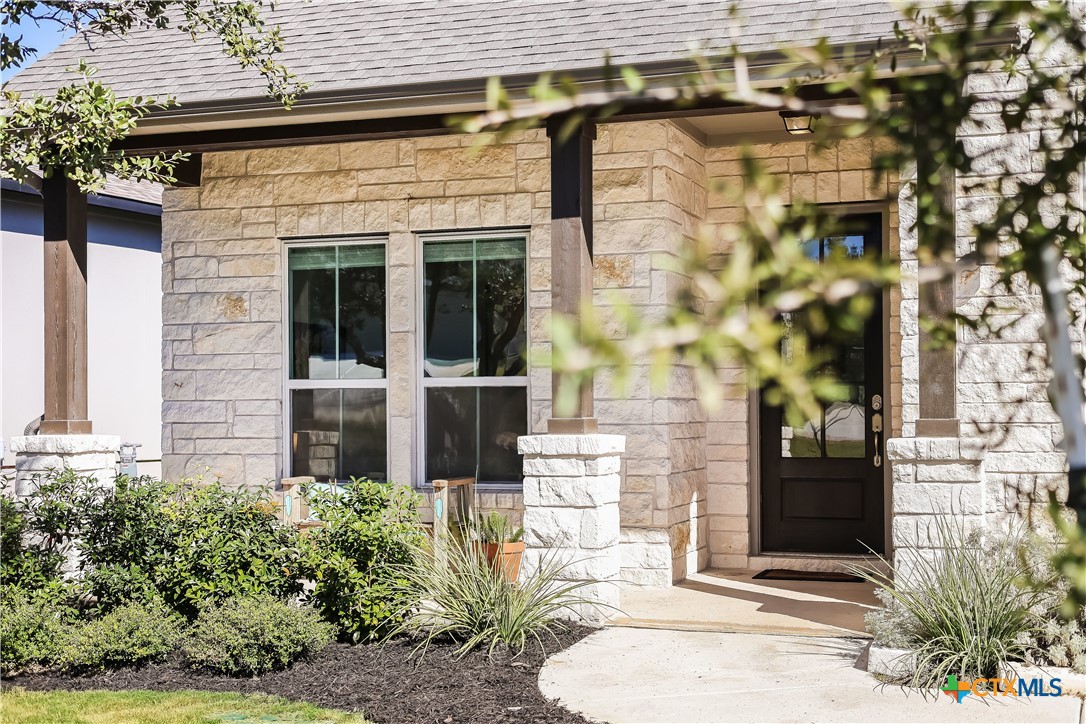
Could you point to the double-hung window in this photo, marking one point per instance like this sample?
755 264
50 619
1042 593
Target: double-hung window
474 370
337 386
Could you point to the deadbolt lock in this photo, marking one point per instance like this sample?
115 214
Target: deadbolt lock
876 402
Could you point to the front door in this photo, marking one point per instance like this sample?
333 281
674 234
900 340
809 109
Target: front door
822 481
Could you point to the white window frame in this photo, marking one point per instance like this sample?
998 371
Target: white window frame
421 239
289 384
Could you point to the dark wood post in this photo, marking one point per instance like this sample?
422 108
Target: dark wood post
938 373
571 251
64 210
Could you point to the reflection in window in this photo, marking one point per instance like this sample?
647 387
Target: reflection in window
337 312
474 319
840 428
337 332
339 433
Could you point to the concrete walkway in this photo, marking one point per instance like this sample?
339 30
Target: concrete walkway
646 675
735 601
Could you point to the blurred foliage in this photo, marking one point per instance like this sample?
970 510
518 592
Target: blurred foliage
73 129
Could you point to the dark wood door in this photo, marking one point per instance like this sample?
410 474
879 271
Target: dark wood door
822 481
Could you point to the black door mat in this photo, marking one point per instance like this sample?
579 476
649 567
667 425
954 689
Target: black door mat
785 574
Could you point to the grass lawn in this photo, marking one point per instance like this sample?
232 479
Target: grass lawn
130 707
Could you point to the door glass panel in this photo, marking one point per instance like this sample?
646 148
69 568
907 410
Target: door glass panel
841 428
799 441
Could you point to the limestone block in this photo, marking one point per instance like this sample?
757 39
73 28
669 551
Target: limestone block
947 472
939 499
586 445
236 384
293 159
600 527
551 527
193 411
440 164
572 492
603 466
236 338
554 466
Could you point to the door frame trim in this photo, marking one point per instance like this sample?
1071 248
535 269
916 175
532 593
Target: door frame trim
754 437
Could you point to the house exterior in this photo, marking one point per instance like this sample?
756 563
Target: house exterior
351 288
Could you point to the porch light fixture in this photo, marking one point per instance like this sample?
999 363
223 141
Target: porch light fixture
799 123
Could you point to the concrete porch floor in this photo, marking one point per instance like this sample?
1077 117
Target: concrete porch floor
733 601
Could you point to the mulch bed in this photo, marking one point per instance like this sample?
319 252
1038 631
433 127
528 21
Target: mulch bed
380 681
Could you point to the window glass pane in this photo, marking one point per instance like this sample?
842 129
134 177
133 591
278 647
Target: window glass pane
337 434
451 432
312 289
449 317
472 432
503 417
337 312
362 312
501 307
474 302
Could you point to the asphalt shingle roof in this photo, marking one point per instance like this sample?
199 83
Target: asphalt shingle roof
352 45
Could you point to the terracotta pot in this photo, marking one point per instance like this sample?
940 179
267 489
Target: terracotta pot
506 556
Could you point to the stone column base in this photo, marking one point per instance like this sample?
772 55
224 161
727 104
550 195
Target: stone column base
571 491
937 477
89 455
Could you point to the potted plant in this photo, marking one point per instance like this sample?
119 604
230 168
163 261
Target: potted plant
501 543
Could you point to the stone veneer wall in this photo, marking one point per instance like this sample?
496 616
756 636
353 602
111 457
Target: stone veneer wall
222 253
1002 382
841 174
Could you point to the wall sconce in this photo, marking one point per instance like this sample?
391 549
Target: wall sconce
799 123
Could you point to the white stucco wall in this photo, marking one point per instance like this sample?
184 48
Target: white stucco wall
124 336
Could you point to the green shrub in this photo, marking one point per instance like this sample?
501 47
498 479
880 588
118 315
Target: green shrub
131 634
964 611
33 627
188 543
254 635
36 531
355 559
471 601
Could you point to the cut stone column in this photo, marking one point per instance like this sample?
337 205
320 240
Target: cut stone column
88 455
932 478
571 491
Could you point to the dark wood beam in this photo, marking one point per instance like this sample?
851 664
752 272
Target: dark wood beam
64 210
938 364
188 172
295 134
571 253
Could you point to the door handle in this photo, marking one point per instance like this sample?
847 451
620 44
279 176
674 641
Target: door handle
876 427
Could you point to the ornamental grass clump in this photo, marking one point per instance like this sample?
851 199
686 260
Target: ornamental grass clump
470 601
964 611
